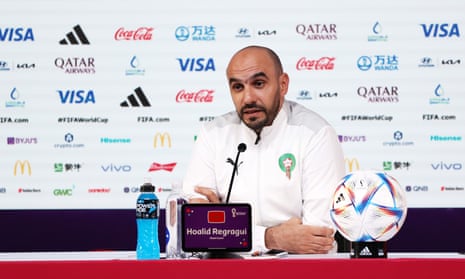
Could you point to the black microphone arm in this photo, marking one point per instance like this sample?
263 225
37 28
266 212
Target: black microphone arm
240 148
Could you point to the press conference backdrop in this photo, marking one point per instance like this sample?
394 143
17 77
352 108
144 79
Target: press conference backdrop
99 96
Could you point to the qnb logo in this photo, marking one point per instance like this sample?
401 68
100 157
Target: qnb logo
76 96
22 167
13 34
196 64
75 37
440 30
416 188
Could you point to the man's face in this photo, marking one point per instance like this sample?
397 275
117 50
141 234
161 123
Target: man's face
257 90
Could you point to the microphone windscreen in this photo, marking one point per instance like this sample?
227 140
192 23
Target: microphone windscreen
241 147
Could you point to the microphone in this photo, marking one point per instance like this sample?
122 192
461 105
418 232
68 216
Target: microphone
240 148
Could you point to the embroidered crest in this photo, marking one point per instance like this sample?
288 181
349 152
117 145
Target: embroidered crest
287 163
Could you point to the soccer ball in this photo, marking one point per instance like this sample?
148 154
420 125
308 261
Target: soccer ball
368 206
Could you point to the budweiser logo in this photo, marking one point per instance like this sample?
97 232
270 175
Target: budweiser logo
324 63
166 167
202 96
140 34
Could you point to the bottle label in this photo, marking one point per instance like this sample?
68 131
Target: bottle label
147 209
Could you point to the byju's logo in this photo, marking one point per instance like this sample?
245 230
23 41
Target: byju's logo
16 34
136 100
75 37
440 30
196 64
76 96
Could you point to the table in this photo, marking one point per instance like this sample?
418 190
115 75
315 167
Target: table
117 265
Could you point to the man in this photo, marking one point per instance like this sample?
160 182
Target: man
291 166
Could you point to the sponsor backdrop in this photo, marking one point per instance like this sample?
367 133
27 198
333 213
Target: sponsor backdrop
97 97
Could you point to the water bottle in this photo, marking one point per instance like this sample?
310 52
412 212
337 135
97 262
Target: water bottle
173 223
147 213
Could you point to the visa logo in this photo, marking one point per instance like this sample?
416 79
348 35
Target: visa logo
16 34
440 30
76 96
196 64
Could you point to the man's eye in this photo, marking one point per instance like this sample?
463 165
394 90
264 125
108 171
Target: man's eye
237 87
259 83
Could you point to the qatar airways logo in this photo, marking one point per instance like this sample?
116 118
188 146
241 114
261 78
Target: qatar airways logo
139 34
323 63
201 96
317 31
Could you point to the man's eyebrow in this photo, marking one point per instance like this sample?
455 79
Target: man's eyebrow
254 76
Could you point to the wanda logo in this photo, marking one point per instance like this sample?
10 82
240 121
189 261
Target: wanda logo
201 96
140 34
324 63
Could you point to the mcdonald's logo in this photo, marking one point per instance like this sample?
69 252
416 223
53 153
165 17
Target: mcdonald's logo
352 164
22 167
162 138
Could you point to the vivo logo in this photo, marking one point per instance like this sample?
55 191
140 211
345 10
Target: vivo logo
446 166
440 30
76 96
116 168
196 64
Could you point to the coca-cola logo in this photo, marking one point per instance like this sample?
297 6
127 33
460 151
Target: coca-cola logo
201 96
140 34
324 63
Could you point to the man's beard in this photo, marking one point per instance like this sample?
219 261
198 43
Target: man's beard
253 122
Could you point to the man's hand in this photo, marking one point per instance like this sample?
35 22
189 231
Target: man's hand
294 237
208 193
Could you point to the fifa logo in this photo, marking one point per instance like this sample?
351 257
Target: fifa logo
352 164
22 167
161 138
